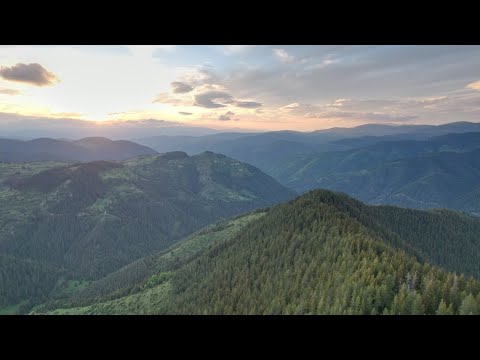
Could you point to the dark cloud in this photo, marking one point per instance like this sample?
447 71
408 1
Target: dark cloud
248 104
213 99
227 116
185 113
217 99
34 74
10 92
180 87
147 121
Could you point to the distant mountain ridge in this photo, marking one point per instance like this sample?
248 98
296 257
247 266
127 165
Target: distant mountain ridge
29 127
271 150
86 149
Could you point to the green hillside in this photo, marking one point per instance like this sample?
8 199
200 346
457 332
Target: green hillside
91 219
144 273
322 253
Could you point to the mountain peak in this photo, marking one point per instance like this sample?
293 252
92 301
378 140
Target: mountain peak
174 155
94 140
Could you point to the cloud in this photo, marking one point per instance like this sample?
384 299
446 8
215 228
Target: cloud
374 110
474 86
201 75
11 92
248 104
433 109
34 74
166 98
153 123
185 113
147 121
66 115
218 99
213 99
148 51
234 49
180 87
367 71
320 65
227 116
283 56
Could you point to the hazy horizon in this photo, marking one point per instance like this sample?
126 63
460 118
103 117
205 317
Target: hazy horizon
29 127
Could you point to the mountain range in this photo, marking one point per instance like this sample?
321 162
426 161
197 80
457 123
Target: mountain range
411 169
24 127
244 146
86 149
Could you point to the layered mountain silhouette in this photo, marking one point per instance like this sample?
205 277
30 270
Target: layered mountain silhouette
87 149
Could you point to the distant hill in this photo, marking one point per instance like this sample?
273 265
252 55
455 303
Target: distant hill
322 253
106 149
442 180
90 219
441 172
87 149
363 141
386 130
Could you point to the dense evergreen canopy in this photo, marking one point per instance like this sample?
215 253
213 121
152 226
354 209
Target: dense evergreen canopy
322 253
90 219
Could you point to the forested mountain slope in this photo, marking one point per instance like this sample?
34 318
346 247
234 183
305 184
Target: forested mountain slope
441 180
148 271
90 219
322 253
439 173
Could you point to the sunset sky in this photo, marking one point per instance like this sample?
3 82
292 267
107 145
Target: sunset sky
242 86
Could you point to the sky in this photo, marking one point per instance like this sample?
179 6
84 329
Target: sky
254 87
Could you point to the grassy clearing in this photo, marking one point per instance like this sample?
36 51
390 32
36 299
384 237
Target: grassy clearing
151 301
